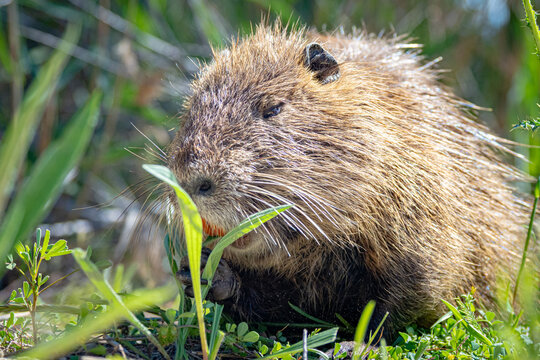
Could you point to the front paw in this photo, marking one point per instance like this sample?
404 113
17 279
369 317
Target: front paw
225 283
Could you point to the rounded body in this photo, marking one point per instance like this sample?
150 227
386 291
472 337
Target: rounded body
399 195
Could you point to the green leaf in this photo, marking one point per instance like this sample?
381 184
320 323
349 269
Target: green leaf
170 315
242 329
10 320
186 314
42 281
45 243
251 336
26 289
10 264
37 244
314 341
25 256
406 337
57 249
19 247
44 183
472 330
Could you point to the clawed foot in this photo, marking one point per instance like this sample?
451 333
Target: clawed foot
224 285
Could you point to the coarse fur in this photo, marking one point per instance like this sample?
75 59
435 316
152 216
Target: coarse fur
399 195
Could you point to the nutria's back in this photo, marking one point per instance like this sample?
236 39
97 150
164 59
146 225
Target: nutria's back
400 195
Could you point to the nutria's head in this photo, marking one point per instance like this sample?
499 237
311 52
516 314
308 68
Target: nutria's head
251 137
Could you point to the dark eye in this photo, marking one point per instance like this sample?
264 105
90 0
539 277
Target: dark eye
272 111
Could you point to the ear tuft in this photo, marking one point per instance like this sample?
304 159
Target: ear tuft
322 63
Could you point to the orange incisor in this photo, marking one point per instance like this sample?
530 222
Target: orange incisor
212 230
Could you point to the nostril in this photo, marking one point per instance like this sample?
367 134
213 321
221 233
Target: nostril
205 187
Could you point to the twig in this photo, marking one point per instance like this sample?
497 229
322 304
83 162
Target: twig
57 281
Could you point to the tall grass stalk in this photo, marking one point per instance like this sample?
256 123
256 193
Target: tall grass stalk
527 240
193 237
361 329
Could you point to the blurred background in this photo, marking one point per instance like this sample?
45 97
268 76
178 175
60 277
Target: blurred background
143 54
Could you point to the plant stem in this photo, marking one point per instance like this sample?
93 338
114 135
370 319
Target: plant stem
531 18
33 309
34 325
527 240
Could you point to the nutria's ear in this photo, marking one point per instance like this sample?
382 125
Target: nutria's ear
323 64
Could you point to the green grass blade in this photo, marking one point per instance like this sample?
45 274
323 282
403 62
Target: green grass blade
215 335
317 340
44 183
216 345
243 228
193 236
78 336
310 317
442 319
372 337
20 132
527 240
103 286
361 328
420 350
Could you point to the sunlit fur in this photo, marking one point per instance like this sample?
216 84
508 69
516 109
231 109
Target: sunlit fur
385 159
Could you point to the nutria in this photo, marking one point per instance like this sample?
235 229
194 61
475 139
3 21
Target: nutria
399 195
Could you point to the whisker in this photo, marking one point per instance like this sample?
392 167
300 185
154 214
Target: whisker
134 154
147 138
308 199
299 209
290 218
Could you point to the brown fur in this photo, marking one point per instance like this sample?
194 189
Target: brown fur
389 173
